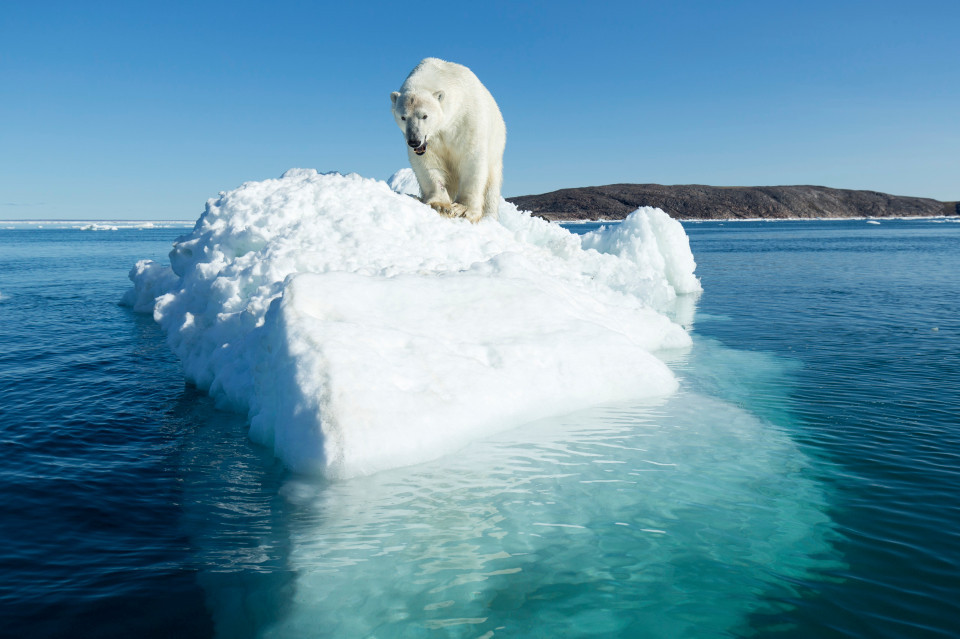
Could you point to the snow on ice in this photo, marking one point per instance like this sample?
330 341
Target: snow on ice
360 331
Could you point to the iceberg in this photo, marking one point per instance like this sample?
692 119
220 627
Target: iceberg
359 331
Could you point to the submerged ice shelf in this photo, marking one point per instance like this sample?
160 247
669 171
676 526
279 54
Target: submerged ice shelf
360 331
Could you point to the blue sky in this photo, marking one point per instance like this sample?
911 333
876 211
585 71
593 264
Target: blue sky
135 110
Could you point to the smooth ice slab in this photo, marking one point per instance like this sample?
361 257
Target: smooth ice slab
361 331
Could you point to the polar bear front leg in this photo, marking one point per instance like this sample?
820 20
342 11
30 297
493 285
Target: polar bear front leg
433 187
473 182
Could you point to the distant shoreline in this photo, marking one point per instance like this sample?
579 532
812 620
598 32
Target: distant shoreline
686 203
116 225
693 202
99 225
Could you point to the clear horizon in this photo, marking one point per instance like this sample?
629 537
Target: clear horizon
124 112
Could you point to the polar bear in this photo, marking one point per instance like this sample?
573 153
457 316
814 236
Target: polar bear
456 137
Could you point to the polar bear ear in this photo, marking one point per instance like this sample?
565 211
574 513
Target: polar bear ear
393 97
439 96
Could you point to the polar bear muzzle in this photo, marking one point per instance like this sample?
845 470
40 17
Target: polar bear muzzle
418 147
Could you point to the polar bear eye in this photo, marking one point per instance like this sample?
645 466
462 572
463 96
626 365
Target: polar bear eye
403 118
424 118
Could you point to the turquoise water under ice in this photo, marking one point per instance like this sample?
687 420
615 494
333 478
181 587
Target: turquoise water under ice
802 483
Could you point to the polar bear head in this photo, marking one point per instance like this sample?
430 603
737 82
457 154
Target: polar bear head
419 114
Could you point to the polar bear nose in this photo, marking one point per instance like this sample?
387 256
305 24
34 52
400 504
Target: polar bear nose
413 143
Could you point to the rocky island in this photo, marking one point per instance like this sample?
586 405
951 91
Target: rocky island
699 202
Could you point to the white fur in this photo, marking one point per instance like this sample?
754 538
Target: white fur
461 171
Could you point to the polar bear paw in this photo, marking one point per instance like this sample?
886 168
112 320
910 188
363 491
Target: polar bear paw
449 209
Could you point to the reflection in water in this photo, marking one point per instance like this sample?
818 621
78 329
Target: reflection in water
673 518
233 516
597 524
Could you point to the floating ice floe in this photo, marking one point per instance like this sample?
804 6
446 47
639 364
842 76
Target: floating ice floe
360 331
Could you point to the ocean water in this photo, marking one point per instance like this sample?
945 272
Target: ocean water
802 483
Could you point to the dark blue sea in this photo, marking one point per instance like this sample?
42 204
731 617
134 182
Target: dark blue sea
804 481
